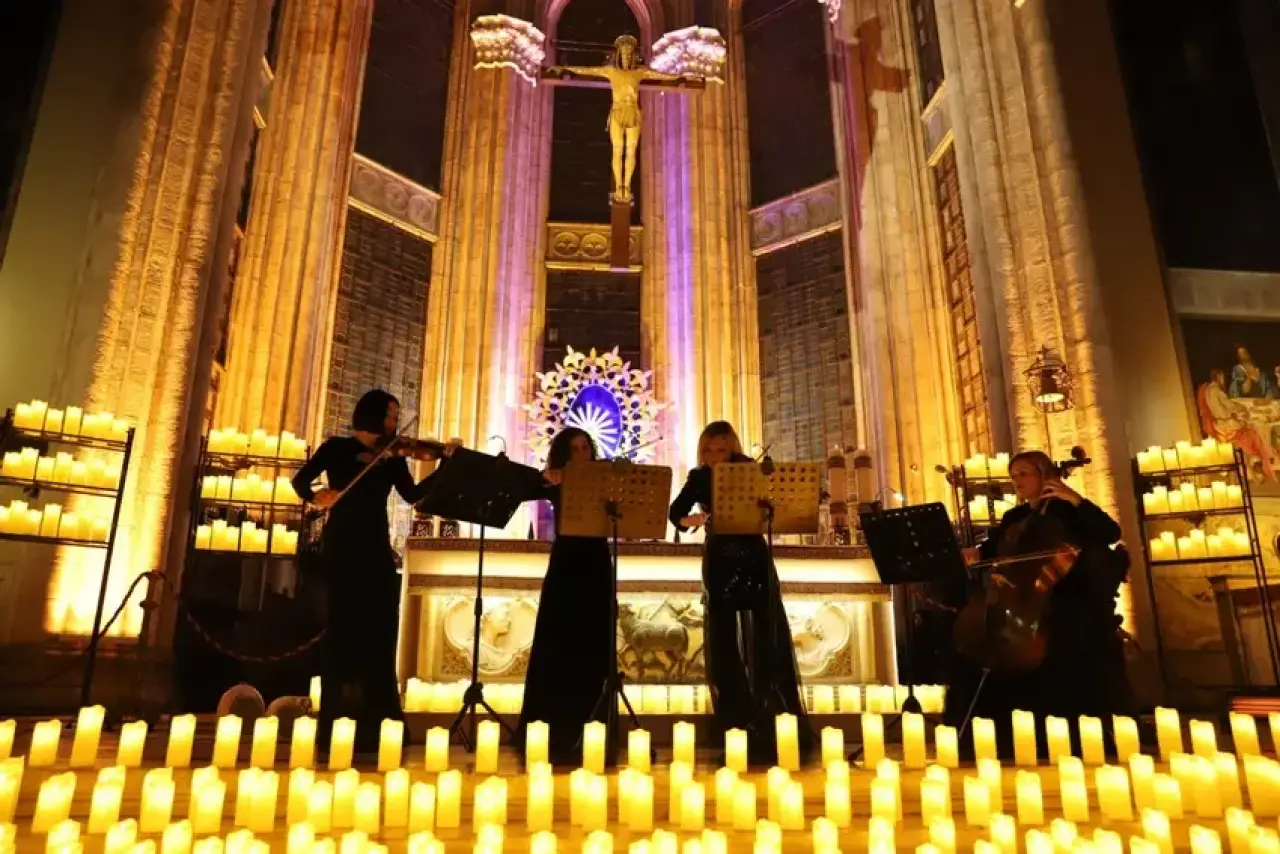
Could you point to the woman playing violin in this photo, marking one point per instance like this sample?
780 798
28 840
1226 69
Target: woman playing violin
358 674
1082 672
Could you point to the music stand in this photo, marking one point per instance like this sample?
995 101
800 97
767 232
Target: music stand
614 499
766 498
486 491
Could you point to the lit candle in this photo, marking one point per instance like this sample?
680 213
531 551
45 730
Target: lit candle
913 743
735 750
884 799
1204 739
320 806
390 745
984 739
1156 829
449 799
437 750
977 802
594 735
104 804
1073 789
1204 840
540 801
133 738
1126 736
935 800
182 733
947 746
595 802
726 781
177 838
8 729
744 805
64 838
1239 824
1168 795
692 807
226 742
53 803
1024 739
395 798
262 803
487 747
1168 732
43 751
422 808
157 800
880 836
1114 801
826 836
543 842
263 752
639 807
300 839
1091 744
787 735
1029 797
300 782
679 775
683 740
206 807
302 743
1228 779
84 747
791 806
537 740
872 739
1244 735
1057 734
368 809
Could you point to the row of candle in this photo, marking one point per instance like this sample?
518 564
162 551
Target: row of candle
1189 497
506 698
251 487
257 443
983 510
248 538
1185 455
61 468
37 417
1197 545
21 519
982 467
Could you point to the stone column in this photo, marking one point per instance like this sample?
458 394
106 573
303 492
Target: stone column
154 348
282 305
907 401
699 311
485 307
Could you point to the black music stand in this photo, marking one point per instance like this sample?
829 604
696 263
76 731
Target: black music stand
486 491
614 499
766 498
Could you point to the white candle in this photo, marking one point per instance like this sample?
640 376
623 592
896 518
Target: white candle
206 807
832 745
449 799
735 750
1126 737
947 746
1024 739
487 747
263 752
44 744
133 739
683 740
104 804
1168 795
1029 797
935 800
1057 733
1073 789
984 739
320 806
422 808
84 747
913 744
157 800
1114 801
302 743
744 805
182 733
226 742
437 751
390 745
368 809
594 735
679 775
53 802
787 734
537 744
345 785
692 807
1092 748
640 806
1168 732
872 739
836 800
540 802
977 802
1244 735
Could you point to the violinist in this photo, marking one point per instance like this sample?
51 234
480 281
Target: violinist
1082 672
358 673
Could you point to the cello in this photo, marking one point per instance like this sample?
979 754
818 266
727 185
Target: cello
1004 626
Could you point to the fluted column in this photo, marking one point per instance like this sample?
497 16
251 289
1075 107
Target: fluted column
485 308
699 311
903 346
153 347
282 305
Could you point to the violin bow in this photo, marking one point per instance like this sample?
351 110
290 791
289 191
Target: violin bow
382 455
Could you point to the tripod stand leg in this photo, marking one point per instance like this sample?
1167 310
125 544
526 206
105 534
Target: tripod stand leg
968 715
473 698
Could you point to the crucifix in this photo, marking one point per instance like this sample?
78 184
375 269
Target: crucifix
624 75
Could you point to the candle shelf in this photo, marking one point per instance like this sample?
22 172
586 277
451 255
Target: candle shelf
18 431
981 498
1176 536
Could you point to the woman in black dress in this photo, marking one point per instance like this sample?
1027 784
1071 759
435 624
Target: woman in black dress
570 660
743 613
358 677
1083 672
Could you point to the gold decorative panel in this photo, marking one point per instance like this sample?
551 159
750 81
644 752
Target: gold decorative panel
793 218
586 246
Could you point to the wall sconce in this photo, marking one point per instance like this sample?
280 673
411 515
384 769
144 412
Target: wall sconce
1049 381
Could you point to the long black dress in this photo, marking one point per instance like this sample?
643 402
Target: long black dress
358 678
570 658
746 636
1083 672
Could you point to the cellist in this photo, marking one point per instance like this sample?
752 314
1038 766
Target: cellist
1083 669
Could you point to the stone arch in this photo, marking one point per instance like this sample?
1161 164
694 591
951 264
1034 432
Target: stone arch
648 15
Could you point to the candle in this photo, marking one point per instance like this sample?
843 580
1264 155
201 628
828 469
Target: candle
680 774
53 803
984 739
683 739
1244 735
487 747
182 733
157 800
543 842
44 744
735 750
1168 732
947 746
884 799
302 743
1204 840
726 782
300 782
1114 801
989 772
1125 730
1073 789
935 800
437 750
594 735
104 804
64 838
262 802
1057 734
1204 739
1024 739
692 807
1003 831
226 743
1167 792
395 798
836 799
449 799
263 752
595 802
540 806
320 806
1029 797
368 807
206 807
390 745
942 835
1207 795
84 747
1091 743
640 805
872 739
537 740
786 732
422 808
133 738
177 838
880 836
300 839
744 805
1239 825
913 750
1155 827
832 745
8 729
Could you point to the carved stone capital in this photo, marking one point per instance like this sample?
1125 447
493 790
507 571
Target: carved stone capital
585 246
395 199
794 218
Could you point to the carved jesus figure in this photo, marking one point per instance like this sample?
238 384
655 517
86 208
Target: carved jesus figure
625 75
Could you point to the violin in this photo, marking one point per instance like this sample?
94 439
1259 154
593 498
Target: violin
403 446
1004 626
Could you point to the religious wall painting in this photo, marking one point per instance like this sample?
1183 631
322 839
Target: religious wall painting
1235 373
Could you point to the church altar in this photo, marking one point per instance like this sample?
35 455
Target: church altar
841 616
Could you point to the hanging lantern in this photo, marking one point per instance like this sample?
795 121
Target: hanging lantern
1049 382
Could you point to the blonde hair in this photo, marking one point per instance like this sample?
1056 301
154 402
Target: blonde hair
718 430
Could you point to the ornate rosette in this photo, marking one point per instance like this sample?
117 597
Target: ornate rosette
601 394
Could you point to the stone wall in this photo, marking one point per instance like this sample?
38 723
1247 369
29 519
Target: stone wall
378 330
587 309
